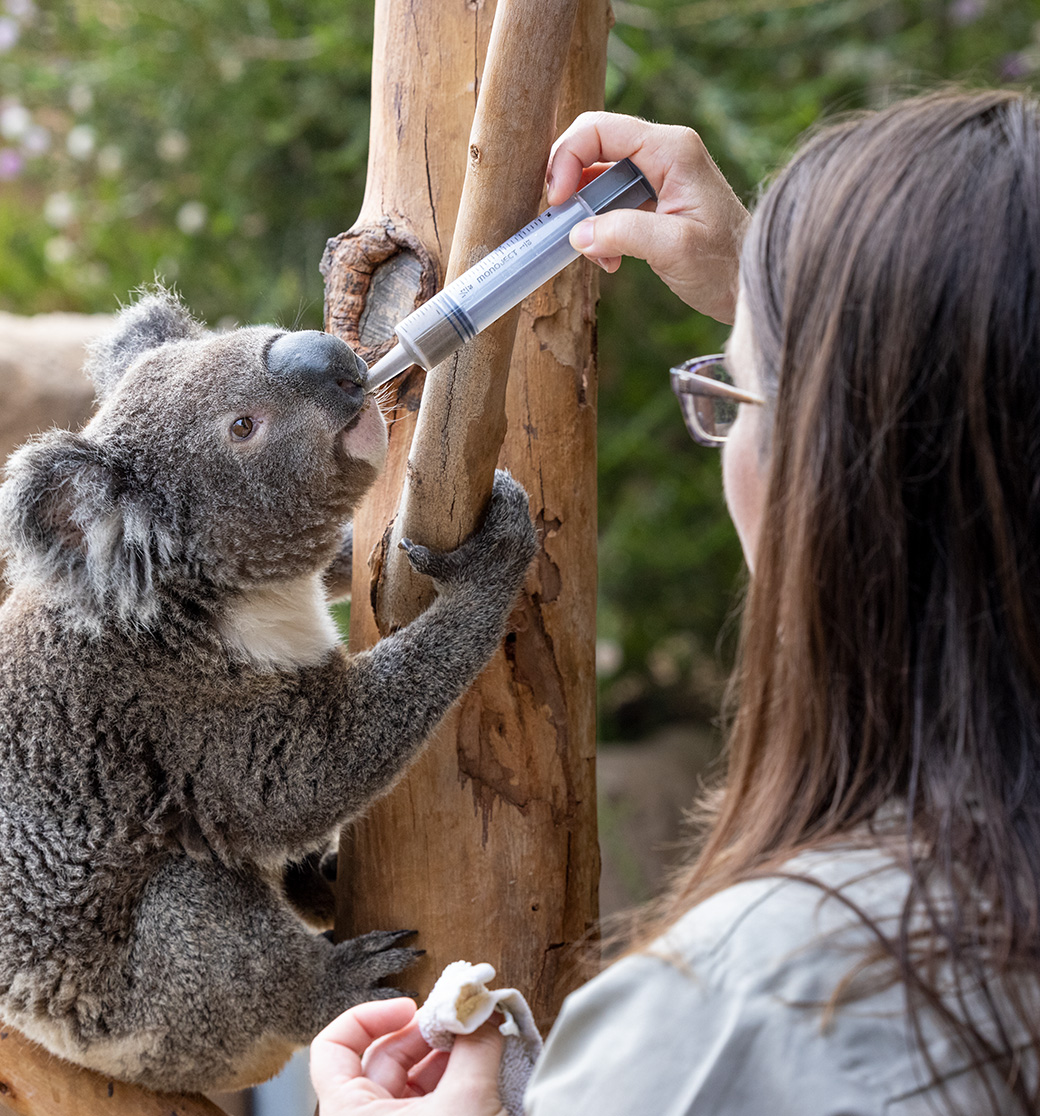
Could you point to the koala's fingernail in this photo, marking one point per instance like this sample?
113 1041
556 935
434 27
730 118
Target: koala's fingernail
582 235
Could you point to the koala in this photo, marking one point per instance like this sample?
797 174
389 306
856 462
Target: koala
178 718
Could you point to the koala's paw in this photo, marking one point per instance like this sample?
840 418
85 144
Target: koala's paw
500 551
359 963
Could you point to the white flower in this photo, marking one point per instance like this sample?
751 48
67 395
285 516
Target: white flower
172 146
9 33
21 9
81 98
191 217
609 657
80 142
59 250
37 140
59 210
110 160
15 120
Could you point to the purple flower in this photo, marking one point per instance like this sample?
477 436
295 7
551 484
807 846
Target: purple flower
9 32
1013 67
963 12
11 163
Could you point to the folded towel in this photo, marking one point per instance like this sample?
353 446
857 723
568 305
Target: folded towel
460 1002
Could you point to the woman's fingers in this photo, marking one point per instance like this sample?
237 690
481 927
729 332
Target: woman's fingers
426 1076
390 1061
337 1052
602 137
691 237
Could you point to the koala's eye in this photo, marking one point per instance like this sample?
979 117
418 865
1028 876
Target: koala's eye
241 428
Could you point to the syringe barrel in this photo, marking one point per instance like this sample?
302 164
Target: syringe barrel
515 269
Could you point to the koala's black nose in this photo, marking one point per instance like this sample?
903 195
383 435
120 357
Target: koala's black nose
320 365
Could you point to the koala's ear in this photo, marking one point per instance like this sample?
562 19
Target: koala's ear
67 512
157 317
40 499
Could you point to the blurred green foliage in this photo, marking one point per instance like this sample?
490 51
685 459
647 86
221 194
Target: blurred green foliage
218 143
215 142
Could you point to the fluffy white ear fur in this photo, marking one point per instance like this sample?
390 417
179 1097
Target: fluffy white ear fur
59 518
157 317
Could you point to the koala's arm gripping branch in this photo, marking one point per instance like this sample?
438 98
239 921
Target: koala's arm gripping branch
343 731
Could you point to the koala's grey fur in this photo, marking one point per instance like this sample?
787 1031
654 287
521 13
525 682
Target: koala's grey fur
178 720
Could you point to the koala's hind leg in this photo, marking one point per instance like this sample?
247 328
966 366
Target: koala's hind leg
229 982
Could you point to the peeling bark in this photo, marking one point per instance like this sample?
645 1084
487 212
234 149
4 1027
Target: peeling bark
375 275
488 844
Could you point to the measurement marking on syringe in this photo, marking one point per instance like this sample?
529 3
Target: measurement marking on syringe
459 319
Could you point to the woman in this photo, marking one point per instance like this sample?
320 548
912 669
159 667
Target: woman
861 931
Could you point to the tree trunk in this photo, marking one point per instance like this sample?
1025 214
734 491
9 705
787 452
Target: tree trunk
35 1083
488 845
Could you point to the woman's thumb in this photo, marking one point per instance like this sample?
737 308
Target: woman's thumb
625 232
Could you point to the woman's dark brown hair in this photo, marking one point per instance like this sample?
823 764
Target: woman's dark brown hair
890 649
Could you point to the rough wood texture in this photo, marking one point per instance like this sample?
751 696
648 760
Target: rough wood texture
448 481
35 1083
488 845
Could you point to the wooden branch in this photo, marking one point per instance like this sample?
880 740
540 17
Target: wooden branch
462 421
34 1082
488 845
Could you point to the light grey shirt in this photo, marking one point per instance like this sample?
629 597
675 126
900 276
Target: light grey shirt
727 1014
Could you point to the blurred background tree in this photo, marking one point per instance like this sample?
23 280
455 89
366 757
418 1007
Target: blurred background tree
218 143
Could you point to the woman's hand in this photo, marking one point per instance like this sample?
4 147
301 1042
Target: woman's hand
372 1061
691 239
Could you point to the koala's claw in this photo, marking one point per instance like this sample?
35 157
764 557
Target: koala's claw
363 962
503 545
420 558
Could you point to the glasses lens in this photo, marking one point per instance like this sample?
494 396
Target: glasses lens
709 417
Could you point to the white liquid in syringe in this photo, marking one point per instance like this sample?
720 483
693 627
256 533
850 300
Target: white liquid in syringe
506 276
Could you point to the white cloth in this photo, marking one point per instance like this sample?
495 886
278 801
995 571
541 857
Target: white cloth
460 1002
727 1014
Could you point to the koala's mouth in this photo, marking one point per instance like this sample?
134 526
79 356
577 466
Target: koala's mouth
364 437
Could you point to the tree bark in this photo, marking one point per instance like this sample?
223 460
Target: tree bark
488 844
35 1083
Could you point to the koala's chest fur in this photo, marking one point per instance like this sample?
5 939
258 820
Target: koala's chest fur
284 624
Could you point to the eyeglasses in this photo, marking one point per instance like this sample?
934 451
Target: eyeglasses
708 398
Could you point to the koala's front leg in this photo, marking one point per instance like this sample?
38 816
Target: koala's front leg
341 732
399 690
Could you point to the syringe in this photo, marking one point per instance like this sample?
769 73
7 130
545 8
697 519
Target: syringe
505 276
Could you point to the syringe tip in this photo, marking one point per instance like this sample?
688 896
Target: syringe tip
387 367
